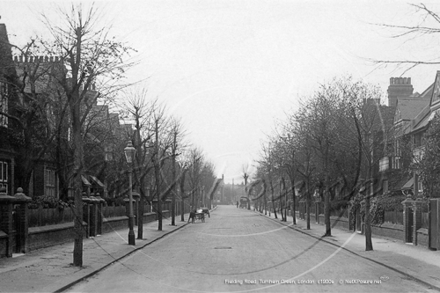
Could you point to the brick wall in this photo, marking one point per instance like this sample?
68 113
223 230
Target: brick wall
422 237
46 236
394 231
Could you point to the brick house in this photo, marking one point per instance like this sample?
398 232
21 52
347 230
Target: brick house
7 78
419 125
40 164
413 112
406 106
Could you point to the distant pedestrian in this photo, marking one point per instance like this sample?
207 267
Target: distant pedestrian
237 204
192 216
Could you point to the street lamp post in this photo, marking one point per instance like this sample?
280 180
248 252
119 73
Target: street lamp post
129 154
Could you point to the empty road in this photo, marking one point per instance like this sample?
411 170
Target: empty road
237 250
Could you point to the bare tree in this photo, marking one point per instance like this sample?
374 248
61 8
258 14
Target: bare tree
245 173
90 58
195 162
427 26
174 138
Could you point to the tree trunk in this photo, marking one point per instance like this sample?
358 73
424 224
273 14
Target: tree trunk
265 205
293 209
78 154
328 228
140 217
274 208
157 176
173 198
182 208
368 242
308 205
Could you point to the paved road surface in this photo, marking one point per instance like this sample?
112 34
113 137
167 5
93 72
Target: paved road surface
237 250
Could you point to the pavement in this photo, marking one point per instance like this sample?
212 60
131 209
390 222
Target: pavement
50 269
415 262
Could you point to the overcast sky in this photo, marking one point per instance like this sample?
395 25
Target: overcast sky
231 69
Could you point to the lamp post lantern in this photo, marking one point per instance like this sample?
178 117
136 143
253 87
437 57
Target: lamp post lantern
129 154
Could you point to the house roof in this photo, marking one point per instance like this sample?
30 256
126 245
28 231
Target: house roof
409 184
435 96
97 181
403 183
85 181
432 93
409 108
425 116
6 63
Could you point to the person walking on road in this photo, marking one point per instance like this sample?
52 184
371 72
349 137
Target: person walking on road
192 216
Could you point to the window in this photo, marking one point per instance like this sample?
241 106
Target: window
50 183
3 177
417 140
3 104
384 164
397 148
396 163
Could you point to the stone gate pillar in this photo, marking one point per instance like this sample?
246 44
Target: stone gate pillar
408 219
100 216
317 209
22 226
417 213
93 216
86 213
6 222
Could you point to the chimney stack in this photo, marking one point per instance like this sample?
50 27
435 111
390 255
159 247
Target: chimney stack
400 87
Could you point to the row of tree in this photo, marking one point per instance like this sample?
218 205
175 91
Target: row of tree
60 114
331 146
329 149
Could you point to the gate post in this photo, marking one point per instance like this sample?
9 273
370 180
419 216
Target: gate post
6 221
21 244
94 216
434 224
417 213
317 209
100 217
86 213
407 220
